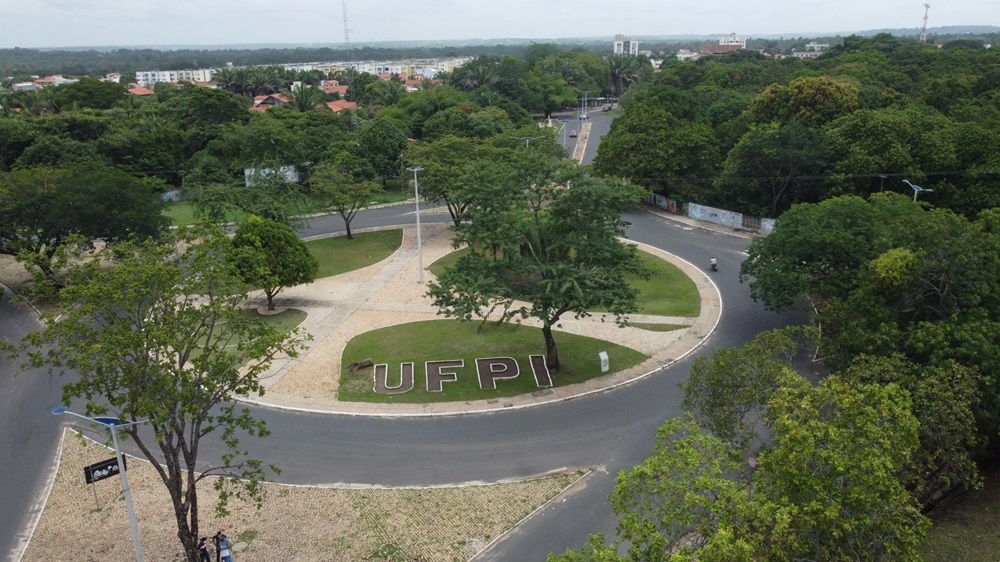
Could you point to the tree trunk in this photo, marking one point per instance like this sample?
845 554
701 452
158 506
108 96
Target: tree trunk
347 226
270 298
551 353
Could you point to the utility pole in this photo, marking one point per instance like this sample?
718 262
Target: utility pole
351 70
923 31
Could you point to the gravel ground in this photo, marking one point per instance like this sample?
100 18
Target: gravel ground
296 523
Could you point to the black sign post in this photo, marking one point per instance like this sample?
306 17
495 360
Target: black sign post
104 469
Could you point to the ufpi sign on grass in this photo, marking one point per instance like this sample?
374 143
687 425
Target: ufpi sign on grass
489 371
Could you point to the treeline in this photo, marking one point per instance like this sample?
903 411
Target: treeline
758 135
26 62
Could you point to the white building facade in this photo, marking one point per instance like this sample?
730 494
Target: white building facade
625 46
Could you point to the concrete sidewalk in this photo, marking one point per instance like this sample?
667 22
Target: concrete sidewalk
388 293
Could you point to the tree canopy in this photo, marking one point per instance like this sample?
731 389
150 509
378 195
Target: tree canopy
170 344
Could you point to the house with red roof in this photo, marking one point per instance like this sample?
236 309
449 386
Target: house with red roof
137 90
341 105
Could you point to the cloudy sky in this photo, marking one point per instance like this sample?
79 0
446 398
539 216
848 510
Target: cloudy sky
48 23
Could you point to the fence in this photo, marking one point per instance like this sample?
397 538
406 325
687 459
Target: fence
731 219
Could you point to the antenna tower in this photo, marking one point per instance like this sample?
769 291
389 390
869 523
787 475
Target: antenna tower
923 31
350 70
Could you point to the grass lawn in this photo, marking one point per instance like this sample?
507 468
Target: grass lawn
284 321
450 339
339 255
182 213
965 526
668 292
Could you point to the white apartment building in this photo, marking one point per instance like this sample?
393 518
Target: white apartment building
147 78
734 40
626 46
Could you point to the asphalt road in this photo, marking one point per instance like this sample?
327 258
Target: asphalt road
608 431
29 436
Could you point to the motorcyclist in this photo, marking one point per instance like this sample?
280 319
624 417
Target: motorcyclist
714 264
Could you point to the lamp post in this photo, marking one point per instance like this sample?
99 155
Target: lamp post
752 462
527 140
420 249
112 425
916 189
564 122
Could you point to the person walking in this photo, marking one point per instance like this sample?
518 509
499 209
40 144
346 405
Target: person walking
218 551
225 548
203 550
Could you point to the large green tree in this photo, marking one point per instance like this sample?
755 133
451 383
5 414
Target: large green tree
382 141
827 487
653 148
161 335
345 191
43 208
271 255
543 242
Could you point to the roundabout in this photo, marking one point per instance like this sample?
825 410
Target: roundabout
387 293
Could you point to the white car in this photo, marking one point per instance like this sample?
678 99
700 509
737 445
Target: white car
583 116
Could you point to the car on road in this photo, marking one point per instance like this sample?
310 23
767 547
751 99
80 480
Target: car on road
583 116
572 134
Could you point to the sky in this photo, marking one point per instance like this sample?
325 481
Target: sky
52 23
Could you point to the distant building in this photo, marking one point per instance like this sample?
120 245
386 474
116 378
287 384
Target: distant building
137 90
625 46
813 50
147 78
253 175
54 80
341 105
685 54
733 39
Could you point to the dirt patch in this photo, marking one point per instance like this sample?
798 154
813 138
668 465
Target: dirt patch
296 523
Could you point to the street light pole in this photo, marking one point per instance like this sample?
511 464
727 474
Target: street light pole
527 140
916 189
113 425
420 249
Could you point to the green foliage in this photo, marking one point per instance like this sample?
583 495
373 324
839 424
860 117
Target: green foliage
535 240
825 489
91 93
728 390
170 345
42 208
773 167
271 255
382 142
653 148
344 192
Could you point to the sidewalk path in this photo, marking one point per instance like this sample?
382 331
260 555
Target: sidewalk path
387 293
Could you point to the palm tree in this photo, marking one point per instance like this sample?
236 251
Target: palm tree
427 84
625 71
305 98
36 102
477 73
230 79
385 93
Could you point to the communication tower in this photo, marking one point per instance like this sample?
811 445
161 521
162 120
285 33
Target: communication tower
923 31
